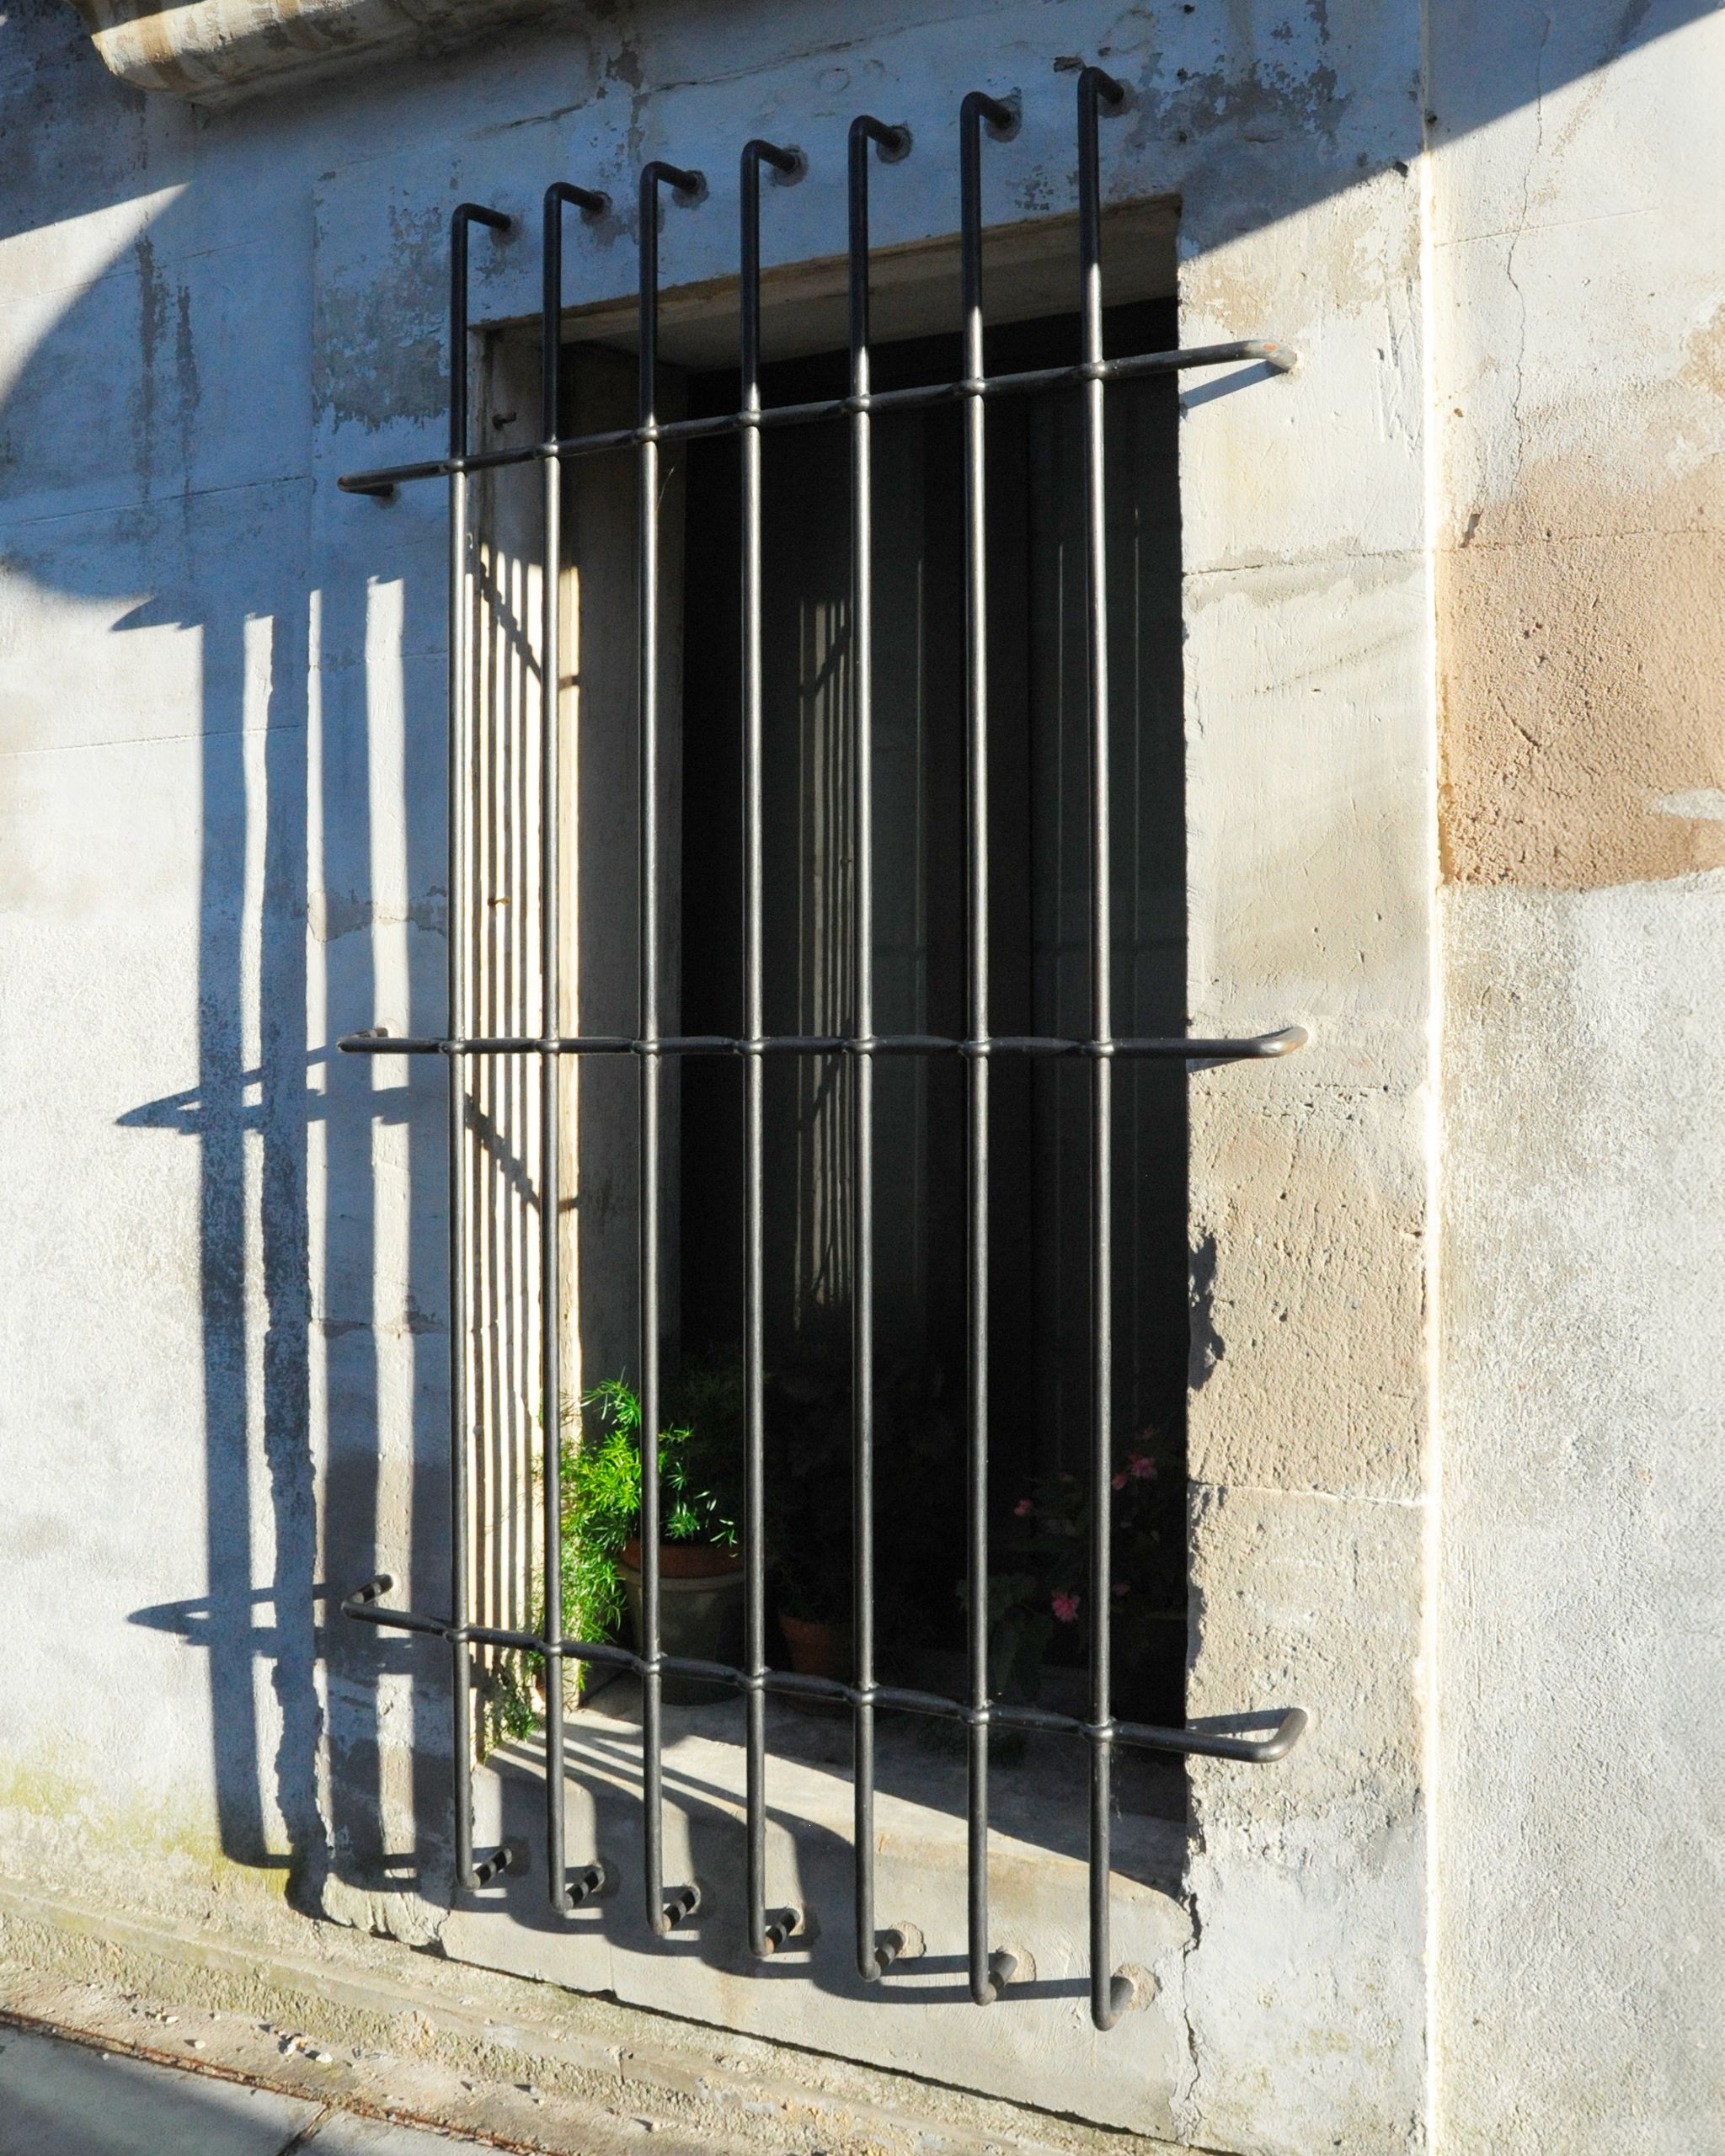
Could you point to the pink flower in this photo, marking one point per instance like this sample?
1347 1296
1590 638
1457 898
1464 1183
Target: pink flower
1120 1588
1119 1482
1141 1467
1023 1509
1066 1606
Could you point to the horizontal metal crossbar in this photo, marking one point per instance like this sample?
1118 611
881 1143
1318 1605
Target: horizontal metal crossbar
1178 1047
1281 359
1144 1737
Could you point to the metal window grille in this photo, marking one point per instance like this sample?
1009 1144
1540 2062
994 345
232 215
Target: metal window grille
668 1906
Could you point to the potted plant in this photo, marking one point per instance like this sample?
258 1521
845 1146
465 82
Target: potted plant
701 1577
1039 1613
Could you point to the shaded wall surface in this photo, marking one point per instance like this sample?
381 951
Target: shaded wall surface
1451 1496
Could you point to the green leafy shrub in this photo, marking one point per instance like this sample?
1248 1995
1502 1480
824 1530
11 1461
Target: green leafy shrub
599 1470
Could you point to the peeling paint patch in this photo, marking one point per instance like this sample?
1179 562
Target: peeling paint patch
1581 672
379 344
1704 803
336 914
1705 367
152 325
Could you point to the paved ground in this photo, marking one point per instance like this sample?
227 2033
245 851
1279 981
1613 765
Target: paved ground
58 2098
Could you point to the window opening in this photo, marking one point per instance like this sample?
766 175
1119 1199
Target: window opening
852 1038
1038 1229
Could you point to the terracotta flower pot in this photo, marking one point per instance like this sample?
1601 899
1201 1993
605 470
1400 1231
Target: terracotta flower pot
686 1560
700 1611
818 1646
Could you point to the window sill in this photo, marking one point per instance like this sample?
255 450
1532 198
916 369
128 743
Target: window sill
918 2019
218 52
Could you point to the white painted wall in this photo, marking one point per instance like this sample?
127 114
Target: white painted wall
1578 388
221 1364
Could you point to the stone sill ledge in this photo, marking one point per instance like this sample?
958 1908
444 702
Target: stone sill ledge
217 52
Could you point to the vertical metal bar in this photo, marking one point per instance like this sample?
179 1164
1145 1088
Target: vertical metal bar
990 1973
873 1955
467 1873
565 1894
1109 1995
766 1934
664 1910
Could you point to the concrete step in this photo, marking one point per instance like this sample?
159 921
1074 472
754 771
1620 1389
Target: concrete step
362 2029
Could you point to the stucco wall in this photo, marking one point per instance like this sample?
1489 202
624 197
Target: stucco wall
1580 412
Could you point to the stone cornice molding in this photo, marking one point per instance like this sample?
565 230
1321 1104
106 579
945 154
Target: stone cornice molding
218 52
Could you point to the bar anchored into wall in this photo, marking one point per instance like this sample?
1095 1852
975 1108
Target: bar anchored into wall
991 1969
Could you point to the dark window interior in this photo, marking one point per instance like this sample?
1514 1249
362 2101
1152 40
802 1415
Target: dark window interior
1040 769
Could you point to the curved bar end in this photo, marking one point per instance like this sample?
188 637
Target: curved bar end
591 201
1123 1997
1002 117
1097 83
785 163
892 139
477 213
1292 1729
1284 1041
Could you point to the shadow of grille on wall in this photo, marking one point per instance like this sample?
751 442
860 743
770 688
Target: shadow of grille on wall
502 1051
